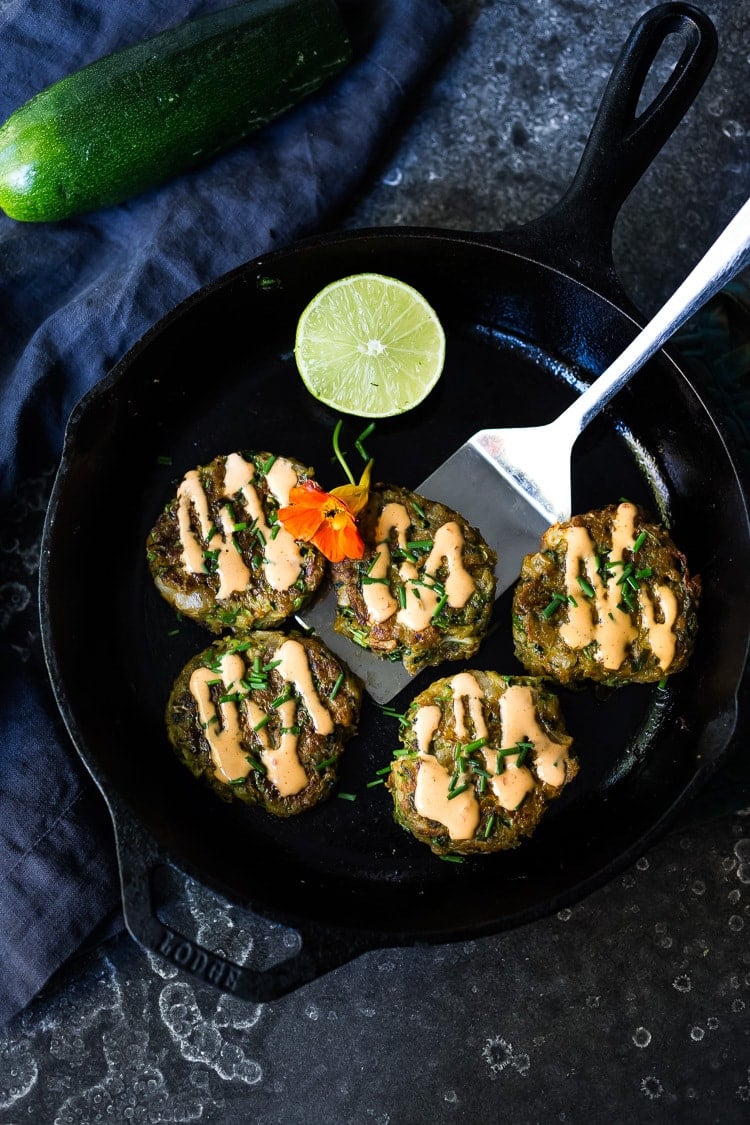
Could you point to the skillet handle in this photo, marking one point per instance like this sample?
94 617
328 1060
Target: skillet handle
322 948
577 231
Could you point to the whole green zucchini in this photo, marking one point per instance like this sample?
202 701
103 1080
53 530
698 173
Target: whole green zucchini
144 114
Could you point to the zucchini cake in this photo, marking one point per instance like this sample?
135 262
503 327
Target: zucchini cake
264 719
483 755
218 553
424 590
608 597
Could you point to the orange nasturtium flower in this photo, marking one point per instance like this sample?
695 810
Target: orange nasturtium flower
327 519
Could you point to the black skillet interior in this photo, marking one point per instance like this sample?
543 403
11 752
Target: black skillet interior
218 374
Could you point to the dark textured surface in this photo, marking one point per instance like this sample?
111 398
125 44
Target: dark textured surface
632 1004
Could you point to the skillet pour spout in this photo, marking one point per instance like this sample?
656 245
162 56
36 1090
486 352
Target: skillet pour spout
529 315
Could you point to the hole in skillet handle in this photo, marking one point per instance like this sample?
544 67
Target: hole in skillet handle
575 235
140 860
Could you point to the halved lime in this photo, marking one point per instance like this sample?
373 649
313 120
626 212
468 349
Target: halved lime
369 345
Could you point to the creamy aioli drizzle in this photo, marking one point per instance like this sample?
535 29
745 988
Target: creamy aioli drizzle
282 561
518 723
224 731
420 597
460 815
599 619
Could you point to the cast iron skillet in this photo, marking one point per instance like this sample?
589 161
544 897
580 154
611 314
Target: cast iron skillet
527 314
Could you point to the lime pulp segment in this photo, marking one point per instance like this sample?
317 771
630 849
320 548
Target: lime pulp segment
370 345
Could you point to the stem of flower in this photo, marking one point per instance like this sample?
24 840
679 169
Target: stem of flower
339 454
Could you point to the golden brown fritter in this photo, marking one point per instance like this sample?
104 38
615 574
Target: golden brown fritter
218 553
264 719
483 755
424 590
608 597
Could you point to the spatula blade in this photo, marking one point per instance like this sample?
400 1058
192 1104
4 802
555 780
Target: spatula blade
468 483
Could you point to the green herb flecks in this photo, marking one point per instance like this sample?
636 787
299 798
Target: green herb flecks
337 686
556 602
326 763
362 438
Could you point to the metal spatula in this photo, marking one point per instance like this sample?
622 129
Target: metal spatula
512 484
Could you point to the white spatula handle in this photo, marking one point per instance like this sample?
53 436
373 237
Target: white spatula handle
729 254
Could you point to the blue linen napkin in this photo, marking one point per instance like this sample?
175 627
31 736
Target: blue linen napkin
73 297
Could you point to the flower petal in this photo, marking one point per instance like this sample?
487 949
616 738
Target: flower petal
355 495
337 545
324 519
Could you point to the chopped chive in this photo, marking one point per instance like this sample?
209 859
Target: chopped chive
280 700
326 763
257 560
440 605
377 781
639 542
483 773
173 632
289 730
211 683
392 713
238 780
163 459
373 563
363 437
267 465
457 792
402 596
239 646
553 605
490 825
232 697
522 757
482 782
454 779
644 572
242 526
337 685
662 684
385 769
260 536
419 510
367 580
275 530
262 723
586 586
258 766
477 744
211 533
213 719
347 796
452 858
419 545
270 666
